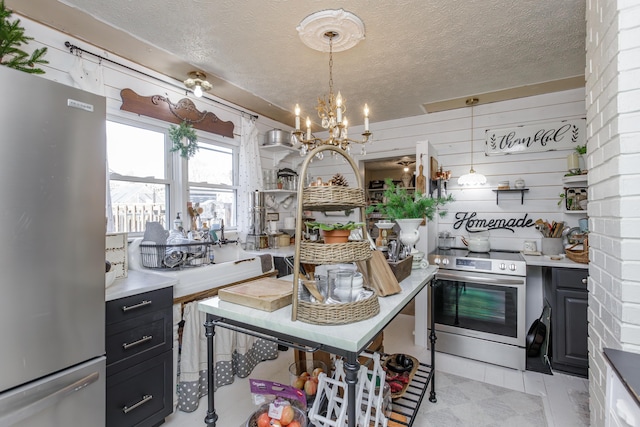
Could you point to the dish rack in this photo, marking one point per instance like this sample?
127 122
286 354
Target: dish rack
174 256
331 199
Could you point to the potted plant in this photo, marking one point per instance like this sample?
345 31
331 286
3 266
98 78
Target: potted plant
184 139
334 233
408 210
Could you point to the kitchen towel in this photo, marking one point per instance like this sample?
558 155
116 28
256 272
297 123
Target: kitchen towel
235 354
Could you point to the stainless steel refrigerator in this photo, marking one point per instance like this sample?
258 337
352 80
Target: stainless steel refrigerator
52 228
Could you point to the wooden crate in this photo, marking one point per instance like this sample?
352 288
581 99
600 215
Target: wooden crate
401 269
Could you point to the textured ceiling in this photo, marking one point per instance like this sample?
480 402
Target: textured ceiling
415 52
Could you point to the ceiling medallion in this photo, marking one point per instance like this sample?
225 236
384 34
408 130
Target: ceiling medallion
347 27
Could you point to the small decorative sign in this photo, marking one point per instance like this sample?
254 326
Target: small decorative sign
562 135
469 221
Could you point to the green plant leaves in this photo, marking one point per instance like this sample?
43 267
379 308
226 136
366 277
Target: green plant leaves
12 36
337 226
184 131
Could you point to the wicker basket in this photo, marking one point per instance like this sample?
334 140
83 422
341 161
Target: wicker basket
338 314
581 256
334 253
332 198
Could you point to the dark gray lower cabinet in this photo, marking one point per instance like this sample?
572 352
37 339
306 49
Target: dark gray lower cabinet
566 292
139 359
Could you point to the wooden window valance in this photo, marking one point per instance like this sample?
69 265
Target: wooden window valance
160 107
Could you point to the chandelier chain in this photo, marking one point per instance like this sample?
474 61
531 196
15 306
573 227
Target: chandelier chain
330 65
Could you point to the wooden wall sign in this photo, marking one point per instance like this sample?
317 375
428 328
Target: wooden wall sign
562 135
160 107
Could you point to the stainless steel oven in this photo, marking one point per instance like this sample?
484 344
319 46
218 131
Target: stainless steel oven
480 305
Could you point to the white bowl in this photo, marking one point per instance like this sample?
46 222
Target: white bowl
385 225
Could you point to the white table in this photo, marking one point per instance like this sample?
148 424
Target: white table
347 340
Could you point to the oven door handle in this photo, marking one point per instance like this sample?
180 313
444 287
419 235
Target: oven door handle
470 278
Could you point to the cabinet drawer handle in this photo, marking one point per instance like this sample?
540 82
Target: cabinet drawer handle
142 340
584 281
146 398
144 303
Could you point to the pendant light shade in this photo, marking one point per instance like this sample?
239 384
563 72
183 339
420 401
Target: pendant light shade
472 179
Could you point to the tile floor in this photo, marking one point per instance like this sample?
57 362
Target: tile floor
565 398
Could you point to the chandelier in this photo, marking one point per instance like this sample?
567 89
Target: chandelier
332 113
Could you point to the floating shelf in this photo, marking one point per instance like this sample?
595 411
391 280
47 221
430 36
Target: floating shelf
574 179
511 190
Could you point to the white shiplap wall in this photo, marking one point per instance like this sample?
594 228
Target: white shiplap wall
450 133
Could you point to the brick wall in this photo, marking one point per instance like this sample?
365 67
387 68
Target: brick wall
613 123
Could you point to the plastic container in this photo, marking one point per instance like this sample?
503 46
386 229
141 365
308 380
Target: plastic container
299 416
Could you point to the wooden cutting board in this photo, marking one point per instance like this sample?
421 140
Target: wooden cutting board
384 282
421 181
268 294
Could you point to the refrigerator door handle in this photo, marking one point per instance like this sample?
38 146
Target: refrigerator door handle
52 399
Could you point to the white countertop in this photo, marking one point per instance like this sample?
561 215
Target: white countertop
546 261
137 282
349 337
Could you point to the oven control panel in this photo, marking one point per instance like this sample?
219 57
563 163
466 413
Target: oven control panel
475 264
507 267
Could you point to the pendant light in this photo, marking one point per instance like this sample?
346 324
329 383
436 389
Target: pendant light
472 179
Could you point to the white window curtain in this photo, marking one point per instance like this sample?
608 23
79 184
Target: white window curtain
249 173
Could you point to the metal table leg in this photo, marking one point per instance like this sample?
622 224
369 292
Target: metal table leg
210 332
351 368
432 340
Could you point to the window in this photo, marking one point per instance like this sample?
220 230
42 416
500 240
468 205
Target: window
146 185
212 183
138 177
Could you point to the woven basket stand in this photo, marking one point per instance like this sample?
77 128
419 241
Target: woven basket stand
327 199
